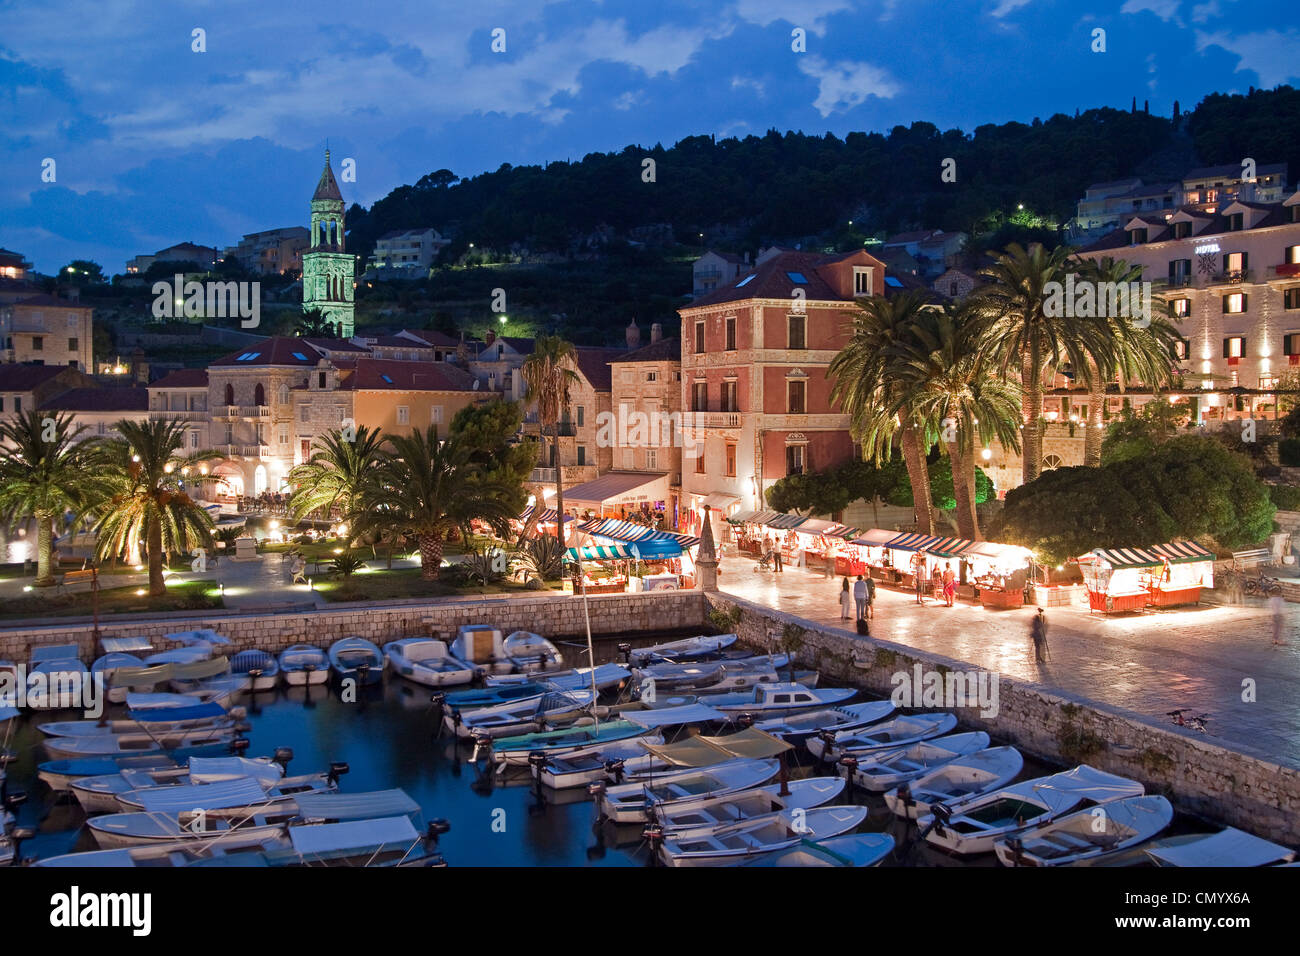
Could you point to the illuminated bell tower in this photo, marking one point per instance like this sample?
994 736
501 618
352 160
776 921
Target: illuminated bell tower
328 270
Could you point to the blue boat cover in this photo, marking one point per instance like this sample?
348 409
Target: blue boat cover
165 715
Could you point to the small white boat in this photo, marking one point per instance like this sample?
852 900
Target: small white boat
56 679
964 778
853 849
606 676
781 699
881 770
530 653
59 775
105 667
519 751
99 793
520 717
275 789
259 669
713 677
483 646
1088 836
690 648
581 767
115 745
355 658
795 729
974 825
427 662
634 802
303 664
889 735
1229 847
697 816
164 720
743 841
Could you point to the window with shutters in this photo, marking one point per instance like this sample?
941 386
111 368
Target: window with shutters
403 414
795 459
1291 298
1234 346
796 332
1180 308
731 333
699 338
731 460
1234 303
797 394
730 391
700 396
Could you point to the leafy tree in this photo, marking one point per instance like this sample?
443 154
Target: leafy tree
1137 434
1187 487
941 487
166 269
44 472
143 497
490 431
81 272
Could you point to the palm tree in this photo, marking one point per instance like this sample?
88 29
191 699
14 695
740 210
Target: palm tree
548 376
1143 353
338 473
44 472
313 324
876 399
951 385
1020 330
144 498
428 487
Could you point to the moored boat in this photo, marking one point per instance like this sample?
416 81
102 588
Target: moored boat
852 849
698 816
964 778
259 669
99 793
634 802
483 646
355 658
1089 836
747 839
105 667
304 664
427 662
780 698
530 653
115 745
890 734
686 649
881 770
797 728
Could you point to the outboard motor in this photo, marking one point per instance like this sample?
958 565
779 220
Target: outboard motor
435 829
282 756
238 713
597 789
614 767
482 741
14 800
827 737
745 721
905 797
536 761
850 765
337 769
239 745
1017 850
243 727
18 835
626 650
942 814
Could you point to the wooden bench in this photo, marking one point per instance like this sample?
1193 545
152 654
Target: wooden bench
1251 559
76 577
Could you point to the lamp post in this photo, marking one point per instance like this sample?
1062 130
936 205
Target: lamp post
94 600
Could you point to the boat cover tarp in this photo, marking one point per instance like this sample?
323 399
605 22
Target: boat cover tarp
169 714
56 652
213 769
1060 791
354 836
668 716
356 806
120 645
140 676
1232 847
702 751
198 670
224 794
201 636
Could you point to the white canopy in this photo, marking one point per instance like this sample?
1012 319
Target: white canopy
1230 847
668 716
221 795
1060 791
354 836
214 769
356 806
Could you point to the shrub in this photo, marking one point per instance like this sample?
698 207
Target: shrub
1285 497
346 565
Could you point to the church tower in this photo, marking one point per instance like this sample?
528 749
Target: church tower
328 270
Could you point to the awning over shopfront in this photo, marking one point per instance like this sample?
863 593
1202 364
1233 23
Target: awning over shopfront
619 488
931 544
995 552
631 532
612 552
546 516
875 538
720 500
752 517
1175 552
832 529
782 522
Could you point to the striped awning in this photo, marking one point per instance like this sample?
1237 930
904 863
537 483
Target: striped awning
1175 552
752 517
545 516
613 552
875 538
832 529
931 544
783 522
624 531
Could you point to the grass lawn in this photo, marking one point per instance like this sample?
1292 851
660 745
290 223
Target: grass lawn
379 585
189 596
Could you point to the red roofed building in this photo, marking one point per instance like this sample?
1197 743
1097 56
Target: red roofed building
755 393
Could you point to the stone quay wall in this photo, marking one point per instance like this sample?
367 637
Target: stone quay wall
1244 789
612 616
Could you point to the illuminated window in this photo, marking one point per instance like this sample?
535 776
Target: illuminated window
1234 346
1234 303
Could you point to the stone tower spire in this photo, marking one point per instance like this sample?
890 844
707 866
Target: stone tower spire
328 271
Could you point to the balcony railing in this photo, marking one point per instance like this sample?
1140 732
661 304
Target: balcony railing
262 452
542 475
1232 277
1287 269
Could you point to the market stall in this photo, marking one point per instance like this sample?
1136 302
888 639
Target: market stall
748 527
1163 575
539 522
999 572
661 552
820 542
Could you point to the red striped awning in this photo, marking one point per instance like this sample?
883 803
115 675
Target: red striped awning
1175 552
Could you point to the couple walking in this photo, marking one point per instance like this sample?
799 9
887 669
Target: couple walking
863 594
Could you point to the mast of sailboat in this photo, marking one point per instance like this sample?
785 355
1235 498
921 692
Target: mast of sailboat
591 652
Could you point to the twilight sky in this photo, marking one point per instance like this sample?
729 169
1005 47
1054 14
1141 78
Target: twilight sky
156 144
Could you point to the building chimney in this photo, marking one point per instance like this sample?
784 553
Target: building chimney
490 337
633 335
656 332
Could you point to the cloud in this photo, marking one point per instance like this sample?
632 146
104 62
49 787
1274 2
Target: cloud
1166 10
809 14
1269 54
845 84
1006 7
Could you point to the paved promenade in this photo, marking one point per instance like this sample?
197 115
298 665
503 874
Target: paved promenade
1151 663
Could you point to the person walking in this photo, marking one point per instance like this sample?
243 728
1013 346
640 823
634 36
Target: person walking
1038 630
871 598
860 597
846 601
1276 605
949 584
918 574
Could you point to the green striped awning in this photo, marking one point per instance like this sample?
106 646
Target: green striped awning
604 552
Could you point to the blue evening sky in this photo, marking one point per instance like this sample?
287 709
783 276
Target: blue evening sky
157 144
